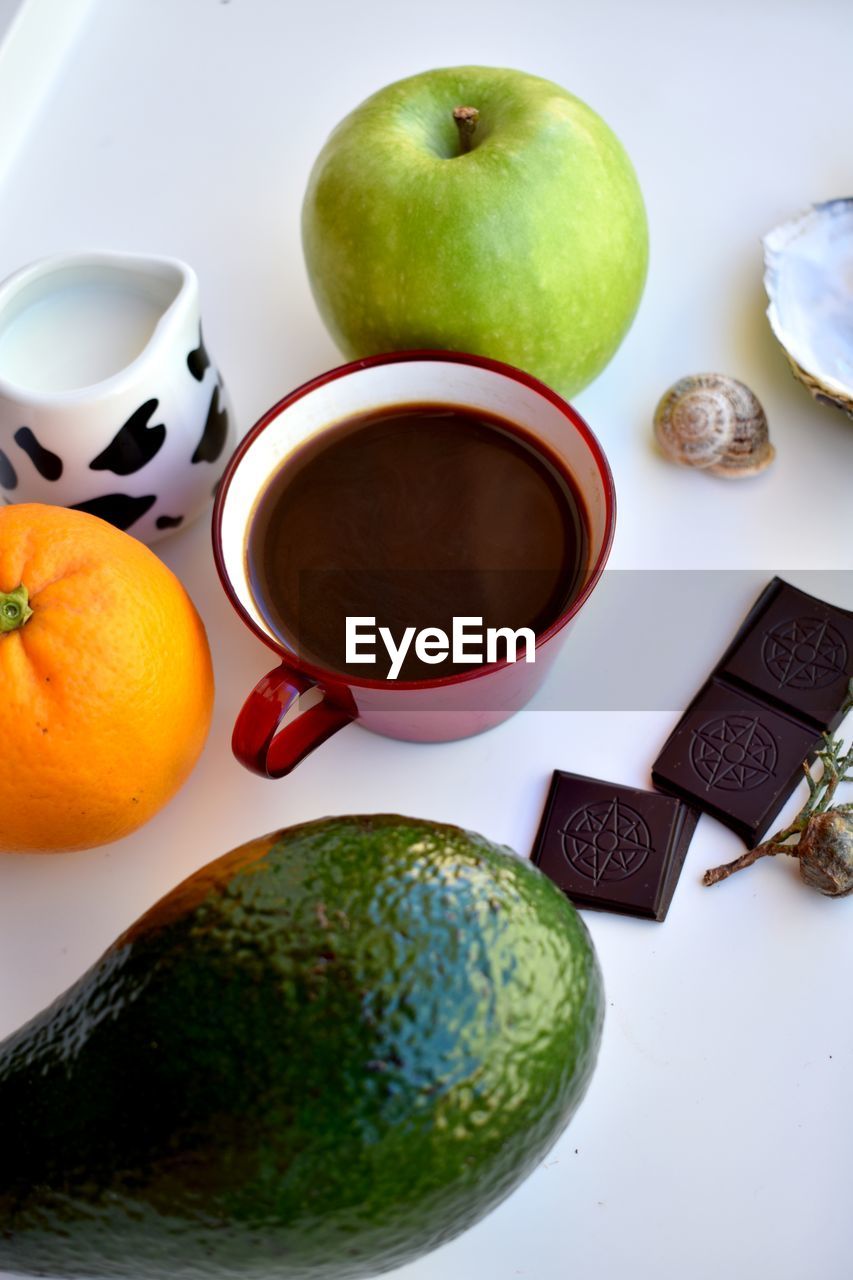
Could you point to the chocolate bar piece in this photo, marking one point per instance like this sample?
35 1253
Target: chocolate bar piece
613 848
738 750
736 757
796 652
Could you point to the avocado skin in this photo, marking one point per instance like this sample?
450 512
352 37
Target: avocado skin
322 1055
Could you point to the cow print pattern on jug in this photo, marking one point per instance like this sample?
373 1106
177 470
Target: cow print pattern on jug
198 360
8 475
215 432
47 464
134 445
119 509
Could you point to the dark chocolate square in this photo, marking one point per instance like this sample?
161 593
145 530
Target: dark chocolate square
795 651
735 757
613 848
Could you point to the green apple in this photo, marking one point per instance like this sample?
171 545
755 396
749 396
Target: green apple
515 229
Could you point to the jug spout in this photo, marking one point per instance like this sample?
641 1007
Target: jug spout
73 323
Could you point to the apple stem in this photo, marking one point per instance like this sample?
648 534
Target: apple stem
466 122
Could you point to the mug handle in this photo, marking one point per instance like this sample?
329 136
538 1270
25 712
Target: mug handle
261 745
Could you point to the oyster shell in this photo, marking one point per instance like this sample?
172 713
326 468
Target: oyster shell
809 281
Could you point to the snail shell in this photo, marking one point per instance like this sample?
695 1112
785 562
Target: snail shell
711 421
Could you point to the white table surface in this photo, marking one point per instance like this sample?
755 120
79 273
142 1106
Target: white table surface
715 1138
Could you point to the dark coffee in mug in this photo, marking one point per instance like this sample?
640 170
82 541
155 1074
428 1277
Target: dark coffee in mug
413 516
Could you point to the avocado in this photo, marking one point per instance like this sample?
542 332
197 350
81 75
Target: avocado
323 1054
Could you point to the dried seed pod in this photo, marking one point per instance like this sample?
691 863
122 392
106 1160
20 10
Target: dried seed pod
825 851
714 422
823 835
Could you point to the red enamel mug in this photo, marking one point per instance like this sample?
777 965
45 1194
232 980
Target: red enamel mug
298 706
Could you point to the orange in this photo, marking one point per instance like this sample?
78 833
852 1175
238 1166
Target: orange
106 689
